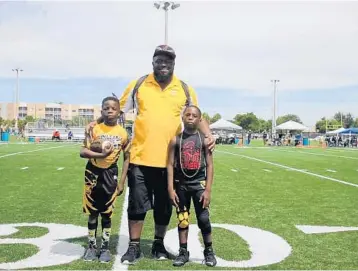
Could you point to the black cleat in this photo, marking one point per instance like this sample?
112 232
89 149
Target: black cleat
182 258
132 255
209 257
158 250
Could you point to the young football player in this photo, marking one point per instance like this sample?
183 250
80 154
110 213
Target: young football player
102 147
190 177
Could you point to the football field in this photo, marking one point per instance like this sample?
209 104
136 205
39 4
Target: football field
273 208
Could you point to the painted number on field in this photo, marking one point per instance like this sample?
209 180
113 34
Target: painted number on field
266 247
51 249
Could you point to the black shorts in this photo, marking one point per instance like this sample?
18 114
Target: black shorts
148 189
188 192
100 189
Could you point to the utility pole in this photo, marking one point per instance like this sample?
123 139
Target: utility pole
165 6
273 130
16 107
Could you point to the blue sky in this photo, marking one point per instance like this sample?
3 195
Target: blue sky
80 51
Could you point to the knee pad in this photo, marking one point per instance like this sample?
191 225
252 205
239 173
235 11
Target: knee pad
204 223
137 217
106 221
183 219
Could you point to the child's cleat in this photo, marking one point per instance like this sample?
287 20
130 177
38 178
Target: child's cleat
209 257
90 254
182 258
105 256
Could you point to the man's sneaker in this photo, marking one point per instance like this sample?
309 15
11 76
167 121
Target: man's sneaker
105 256
132 255
158 250
209 257
90 254
182 258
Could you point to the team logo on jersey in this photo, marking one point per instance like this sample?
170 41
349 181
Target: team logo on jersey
190 156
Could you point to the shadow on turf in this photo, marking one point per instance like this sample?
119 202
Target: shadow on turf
145 245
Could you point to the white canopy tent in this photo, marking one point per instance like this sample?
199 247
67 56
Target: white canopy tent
292 126
336 131
222 124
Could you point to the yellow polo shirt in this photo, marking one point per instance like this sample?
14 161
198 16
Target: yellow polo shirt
158 119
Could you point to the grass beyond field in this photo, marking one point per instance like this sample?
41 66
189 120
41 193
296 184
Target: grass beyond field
261 199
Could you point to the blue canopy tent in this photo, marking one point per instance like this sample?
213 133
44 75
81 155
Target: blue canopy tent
349 131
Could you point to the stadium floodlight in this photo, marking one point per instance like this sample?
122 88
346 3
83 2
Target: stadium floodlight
174 6
273 131
157 5
16 104
165 5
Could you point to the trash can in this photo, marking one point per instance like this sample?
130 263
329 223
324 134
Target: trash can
305 141
31 139
236 141
5 136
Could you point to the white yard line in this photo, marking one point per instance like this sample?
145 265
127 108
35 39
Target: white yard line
60 168
267 170
21 152
330 170
341 150
319 154
24 167
123 236
233 170
291 168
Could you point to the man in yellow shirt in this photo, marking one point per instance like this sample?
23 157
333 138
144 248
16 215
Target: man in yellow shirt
158 102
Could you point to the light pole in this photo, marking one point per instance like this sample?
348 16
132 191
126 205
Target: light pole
273 130
16 107
165 6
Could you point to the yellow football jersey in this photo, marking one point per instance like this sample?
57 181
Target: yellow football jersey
117 135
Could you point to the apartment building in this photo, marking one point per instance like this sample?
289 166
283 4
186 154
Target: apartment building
52 111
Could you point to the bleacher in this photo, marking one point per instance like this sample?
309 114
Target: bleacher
42 134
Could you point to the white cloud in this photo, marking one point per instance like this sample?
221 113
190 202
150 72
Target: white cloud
240 45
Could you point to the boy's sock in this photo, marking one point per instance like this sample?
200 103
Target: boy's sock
184 245
92 234
208 244
135 242
106 233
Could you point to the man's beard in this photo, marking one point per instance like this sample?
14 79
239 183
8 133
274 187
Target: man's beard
162 78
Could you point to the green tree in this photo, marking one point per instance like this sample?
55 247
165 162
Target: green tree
247 121
21 124
215 118
355 123
264 125
346 120
29 119
206 116
288 117
323 122
78 121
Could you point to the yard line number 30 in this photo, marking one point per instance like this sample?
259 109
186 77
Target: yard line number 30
266 247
